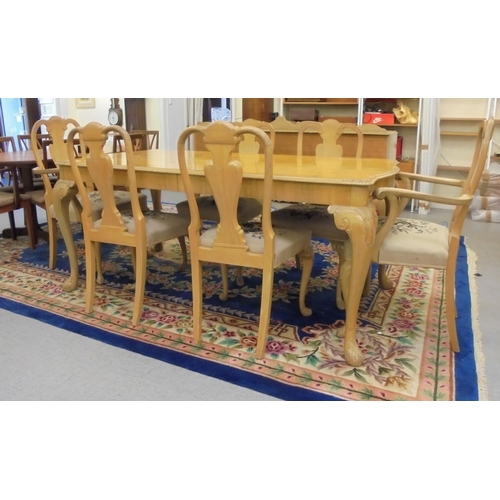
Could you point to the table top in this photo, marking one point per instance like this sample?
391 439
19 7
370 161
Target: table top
17 158
347 171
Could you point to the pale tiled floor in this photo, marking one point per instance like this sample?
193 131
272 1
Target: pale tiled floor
39 362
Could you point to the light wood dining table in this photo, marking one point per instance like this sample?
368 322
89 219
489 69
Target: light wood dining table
346 184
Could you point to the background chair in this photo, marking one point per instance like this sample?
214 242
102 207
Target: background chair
10 201
316 217
411 242
229 243
24 141
136 228
7 144
56 149
145 139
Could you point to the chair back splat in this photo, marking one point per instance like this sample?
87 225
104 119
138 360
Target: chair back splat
232 242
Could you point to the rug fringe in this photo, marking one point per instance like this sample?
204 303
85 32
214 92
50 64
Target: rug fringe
478 347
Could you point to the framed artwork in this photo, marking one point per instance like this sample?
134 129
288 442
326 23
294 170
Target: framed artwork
85 102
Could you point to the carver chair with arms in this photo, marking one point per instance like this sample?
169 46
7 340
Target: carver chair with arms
135 227
316 217
56 149
233 243
411 242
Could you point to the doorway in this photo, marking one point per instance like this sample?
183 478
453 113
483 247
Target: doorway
13 119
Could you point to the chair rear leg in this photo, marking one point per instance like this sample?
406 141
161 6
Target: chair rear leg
30 224
90 276
225 280
451 309
140 282
52 229
182 243
383 281
196 272
239 277
12 223
265 310
307 258
98 262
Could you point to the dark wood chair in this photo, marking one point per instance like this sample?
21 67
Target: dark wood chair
24 141
7 143
11 201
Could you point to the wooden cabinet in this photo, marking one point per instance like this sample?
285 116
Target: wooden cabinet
259 108
340 109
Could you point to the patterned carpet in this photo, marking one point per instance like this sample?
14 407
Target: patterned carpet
402 332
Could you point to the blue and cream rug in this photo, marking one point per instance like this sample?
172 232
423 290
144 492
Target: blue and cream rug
402 332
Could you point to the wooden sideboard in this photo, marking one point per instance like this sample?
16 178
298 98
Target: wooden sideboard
378 142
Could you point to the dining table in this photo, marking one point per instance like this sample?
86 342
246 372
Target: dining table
344 184
24 162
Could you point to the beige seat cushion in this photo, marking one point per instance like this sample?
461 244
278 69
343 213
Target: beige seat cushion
288 242
413 242
159 226
248 208
122 200
313 217
8 198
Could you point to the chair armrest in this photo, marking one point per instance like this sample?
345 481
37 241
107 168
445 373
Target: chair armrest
382 193
432 179
41 171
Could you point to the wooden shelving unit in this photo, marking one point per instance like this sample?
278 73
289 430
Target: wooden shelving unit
341 109
460 118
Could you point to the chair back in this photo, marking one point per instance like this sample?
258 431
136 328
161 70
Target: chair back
6 143
24 141
470 186
99 173
141 140
330 131
53 146
250 144
145 139
224 176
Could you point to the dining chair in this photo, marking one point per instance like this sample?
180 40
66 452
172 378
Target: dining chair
135 227
7 144
248 208
55 149
231 242
145 139
24 141
404 241
316 217
11 201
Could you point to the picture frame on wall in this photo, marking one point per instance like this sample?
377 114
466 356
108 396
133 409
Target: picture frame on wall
85 102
